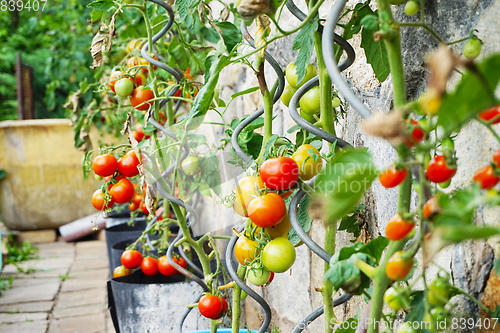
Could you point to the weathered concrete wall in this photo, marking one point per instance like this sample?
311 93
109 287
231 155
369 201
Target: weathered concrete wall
293 295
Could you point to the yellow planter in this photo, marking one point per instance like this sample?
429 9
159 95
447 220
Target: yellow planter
44 186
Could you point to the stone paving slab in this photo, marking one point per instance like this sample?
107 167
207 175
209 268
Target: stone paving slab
27 307
6 318
56 250
25 327
84 265
91 247
78 310
31 293
44 264
84 297
81 324
45 273
31 281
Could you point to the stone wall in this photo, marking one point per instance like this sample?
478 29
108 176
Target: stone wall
293 295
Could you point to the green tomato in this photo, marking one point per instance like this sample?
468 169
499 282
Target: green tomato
190 165
445 184
288 92
258 276
448 147
411 8
308 117
124 87
472 48
278 255
97 177
291 75
309 102
397 298
335 102
439 291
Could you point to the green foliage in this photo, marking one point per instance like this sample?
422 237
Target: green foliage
55 43
304 42
344 181
375 51
209 166
304 220
6 284
418 308
19 252
350 222
473 94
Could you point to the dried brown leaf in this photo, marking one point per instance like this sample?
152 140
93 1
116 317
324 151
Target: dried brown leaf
250 9
386 125
441 64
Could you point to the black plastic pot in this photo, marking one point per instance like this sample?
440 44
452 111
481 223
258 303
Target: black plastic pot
123 231
139 303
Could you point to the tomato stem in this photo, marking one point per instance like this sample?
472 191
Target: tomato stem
236 300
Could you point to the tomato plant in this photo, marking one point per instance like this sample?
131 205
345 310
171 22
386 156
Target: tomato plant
210 306
397 298
392 177
124 87
472 48
398 267
398 228
247 189
140 98
278 255
166 269
121 271
287 94
438 170
258 276
309 161
291 75
267 210
245 250
190 165
279 173
122 192
99 201
486 177
131 259
309 103
439 291
281 229
491 114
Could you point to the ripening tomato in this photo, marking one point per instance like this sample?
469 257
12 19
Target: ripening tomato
258 276
123 191
127 164
167 269
124 87
245 249
131 259
121 271
267 210
398 228
246 191
416 136
281 229
496 158
132 44
137 61
431 207
132 206
210 306
115 76
397 267
397 298
392 177
140 97
149 266
99 202
279 173
438 170
278 255
144 208
139 133
105 165
486 177
491 113
308 167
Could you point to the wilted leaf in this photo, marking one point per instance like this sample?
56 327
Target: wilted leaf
388 126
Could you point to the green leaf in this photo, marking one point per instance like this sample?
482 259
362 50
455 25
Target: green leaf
470 96
360 11
375 247
348 326
183 7
3 174
459 206
418 308
304 220
204 189
230 34
344 181
349 224
214 64
496 314
103 5
96 15
304 42
343 273
293 128
269 145
244 92
209 166
376 54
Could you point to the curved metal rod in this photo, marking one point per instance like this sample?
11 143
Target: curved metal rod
307 125
281 85
331 63
242 285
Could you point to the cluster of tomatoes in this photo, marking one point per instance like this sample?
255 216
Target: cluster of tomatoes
310 102
132 259
125 85
117 188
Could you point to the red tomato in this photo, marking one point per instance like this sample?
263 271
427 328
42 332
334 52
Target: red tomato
486 177
115 76
225 307
431 207
491 113
398 268
438 170
104 165
121 271
141 95
270 279
279 173
99 202
132 206
131 259
416 136
166 269
127 164
149 266
144 208
267 210
392 177
210 306
496 158
122 192
397 228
